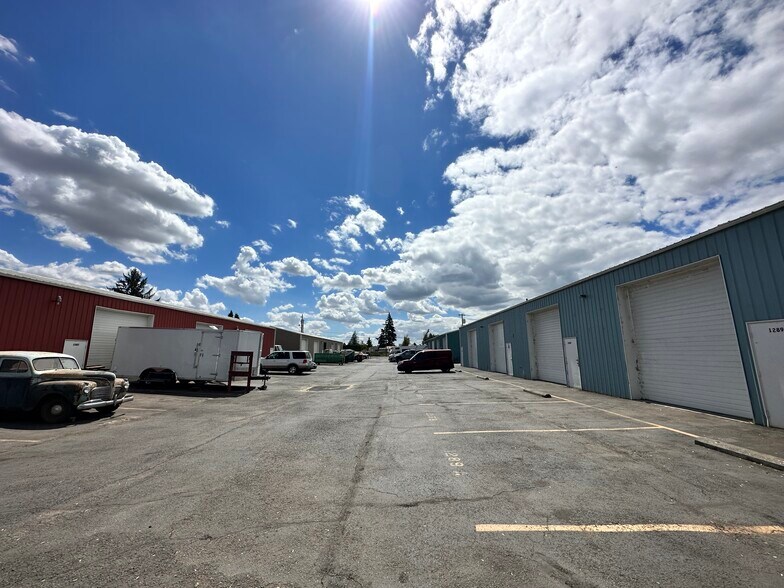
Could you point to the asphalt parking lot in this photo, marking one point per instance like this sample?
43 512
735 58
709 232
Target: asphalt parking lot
358 476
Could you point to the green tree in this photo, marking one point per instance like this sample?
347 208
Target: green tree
388 331
353 343
369 343
426 336
231 314
134 283
406 341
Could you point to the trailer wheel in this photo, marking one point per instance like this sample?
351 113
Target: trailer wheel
293 369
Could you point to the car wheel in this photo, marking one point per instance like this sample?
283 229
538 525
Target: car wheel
55 410
107 410
293 369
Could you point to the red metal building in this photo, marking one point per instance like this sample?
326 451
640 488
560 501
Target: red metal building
41 314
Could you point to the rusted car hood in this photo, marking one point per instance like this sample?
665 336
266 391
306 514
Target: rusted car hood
93 376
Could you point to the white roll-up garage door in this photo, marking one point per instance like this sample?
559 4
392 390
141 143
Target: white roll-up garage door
105 325
497 351
687 349
548 355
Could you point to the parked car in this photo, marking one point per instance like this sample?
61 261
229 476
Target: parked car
403 355
293 362
430 359
55 386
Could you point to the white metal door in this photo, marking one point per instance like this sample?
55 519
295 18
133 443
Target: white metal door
303 344
473 360
548 346
767 343
686 347
77 348
497 351
509 366
105 325
209 354
572 358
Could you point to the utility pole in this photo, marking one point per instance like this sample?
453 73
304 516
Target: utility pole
462 316
302 323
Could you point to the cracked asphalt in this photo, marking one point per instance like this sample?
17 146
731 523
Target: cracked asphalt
337 479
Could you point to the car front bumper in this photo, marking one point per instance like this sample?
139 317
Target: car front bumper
103 403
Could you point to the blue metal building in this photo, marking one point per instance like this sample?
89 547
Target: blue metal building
450 340
699 324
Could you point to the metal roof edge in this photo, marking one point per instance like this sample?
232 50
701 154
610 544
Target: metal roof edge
718 228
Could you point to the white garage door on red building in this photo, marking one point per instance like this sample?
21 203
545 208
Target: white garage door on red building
105 325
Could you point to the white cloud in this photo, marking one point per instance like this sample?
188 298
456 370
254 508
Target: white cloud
400 210
333 265
195 299
276 228
282 307
434 139
340 281
8 48
627 125
292 223
4 85
350 309
224 224
251 281
293 267
68 239
394 243
366 221
262 246
91 184
287 319
99 275
64 115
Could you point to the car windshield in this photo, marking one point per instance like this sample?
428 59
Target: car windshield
45 364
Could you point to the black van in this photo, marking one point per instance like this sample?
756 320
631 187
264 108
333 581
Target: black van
429 359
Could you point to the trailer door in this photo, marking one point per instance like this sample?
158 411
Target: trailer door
207 355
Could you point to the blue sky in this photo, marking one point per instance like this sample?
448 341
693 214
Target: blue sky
480 156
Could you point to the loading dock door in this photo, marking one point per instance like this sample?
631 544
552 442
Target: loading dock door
105 324
548 352
497 351
686 347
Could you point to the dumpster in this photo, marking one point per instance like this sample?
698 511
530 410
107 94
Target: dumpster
329 357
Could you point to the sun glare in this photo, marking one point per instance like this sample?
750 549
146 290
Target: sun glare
374 5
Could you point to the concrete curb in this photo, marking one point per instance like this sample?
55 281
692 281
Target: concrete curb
540 394
770 461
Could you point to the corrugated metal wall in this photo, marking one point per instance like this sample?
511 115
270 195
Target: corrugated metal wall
752 258
31 319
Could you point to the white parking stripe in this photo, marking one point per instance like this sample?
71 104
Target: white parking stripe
637 528
21 440
544 430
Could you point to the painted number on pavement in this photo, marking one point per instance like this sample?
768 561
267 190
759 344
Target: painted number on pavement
455 462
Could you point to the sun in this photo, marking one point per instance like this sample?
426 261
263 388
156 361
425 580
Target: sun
374 5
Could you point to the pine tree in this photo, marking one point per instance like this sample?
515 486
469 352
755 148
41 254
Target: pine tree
406 341
134 283
231 314
353 343
369 343
390 335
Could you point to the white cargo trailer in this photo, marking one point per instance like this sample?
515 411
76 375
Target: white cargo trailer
168 355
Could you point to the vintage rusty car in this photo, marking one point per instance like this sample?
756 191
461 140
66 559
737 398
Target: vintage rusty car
54 386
